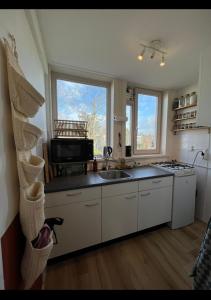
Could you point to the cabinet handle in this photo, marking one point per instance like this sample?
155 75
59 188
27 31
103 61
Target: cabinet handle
147 194
93 204
156 181
72 195
130 197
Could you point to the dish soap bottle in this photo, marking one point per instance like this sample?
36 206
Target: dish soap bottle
95 165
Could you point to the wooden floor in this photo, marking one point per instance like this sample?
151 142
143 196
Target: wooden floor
160 259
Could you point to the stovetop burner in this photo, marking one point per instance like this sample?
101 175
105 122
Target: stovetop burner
173 165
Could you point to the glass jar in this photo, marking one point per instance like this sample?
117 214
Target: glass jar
193 98
175 103
182 101
187 99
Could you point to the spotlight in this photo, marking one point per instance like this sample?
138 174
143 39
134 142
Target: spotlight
141 55
162 63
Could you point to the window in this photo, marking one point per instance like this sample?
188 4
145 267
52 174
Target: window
147 122
84 100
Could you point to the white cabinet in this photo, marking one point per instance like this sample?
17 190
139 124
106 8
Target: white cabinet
204 103
119 210
155 202
82 219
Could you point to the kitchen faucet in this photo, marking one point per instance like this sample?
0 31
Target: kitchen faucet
106 153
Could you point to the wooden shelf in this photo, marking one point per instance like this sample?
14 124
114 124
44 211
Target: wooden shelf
185 107
183 119
194 128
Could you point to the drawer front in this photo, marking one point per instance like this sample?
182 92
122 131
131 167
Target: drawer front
155 183
119 189
60 198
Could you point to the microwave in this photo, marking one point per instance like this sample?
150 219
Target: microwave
71 150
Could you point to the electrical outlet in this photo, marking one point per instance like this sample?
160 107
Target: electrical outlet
206 155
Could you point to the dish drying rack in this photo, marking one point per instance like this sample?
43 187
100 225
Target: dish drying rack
68 128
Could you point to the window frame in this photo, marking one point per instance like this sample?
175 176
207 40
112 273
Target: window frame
72 78
158 133
131 104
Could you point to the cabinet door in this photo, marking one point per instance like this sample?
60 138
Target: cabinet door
119 215
81 227
154 207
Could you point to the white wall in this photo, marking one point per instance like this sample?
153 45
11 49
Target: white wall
200 140
14 21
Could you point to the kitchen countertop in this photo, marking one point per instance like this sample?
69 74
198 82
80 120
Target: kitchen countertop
92 179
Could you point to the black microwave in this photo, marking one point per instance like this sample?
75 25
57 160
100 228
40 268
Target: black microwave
71 150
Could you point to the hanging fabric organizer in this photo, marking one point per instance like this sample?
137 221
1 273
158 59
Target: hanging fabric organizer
25 102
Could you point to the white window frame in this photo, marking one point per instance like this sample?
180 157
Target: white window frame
131 103
158 135
60 76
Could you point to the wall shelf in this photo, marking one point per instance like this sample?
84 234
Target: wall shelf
188 129
179 108
183 119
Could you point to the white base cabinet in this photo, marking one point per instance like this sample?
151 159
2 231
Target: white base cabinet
119 216
82 221
154 207
98 214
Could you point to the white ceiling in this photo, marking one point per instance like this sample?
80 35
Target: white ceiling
107 41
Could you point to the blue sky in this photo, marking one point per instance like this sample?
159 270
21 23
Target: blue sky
147 112
72 97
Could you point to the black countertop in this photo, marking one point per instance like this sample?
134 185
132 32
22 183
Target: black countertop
59 184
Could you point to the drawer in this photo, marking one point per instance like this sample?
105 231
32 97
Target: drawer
119 189
60 198
155 183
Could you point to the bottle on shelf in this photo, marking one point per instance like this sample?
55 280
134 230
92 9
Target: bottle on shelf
182 101
193 98
187 99
95 165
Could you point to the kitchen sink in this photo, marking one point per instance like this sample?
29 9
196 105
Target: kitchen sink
113 174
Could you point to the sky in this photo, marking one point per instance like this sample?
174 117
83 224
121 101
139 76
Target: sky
147 113
72 97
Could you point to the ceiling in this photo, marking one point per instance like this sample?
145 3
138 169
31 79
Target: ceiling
107 42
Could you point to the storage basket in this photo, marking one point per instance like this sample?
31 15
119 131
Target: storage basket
24 96
30 170
26 135
32 215
34 262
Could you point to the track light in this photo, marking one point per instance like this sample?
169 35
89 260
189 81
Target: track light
155 47
152 55
162 63
141 55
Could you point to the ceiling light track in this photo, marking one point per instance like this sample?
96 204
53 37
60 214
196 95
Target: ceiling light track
155 47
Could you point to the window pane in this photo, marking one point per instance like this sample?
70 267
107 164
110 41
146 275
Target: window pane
147 122
128 125
84 102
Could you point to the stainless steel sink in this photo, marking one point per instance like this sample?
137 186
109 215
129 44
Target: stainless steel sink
113 174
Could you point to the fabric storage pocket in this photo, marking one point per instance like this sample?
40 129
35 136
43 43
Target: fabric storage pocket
11 59
24 96
30 170
26 135
32 214
34 262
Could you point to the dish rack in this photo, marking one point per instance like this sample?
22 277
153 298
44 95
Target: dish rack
67 128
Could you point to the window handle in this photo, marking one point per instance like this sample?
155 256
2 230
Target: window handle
146 194
72 195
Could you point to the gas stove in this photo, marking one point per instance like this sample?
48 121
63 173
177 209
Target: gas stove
179 169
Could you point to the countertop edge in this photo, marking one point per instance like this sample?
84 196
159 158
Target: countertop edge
105 182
